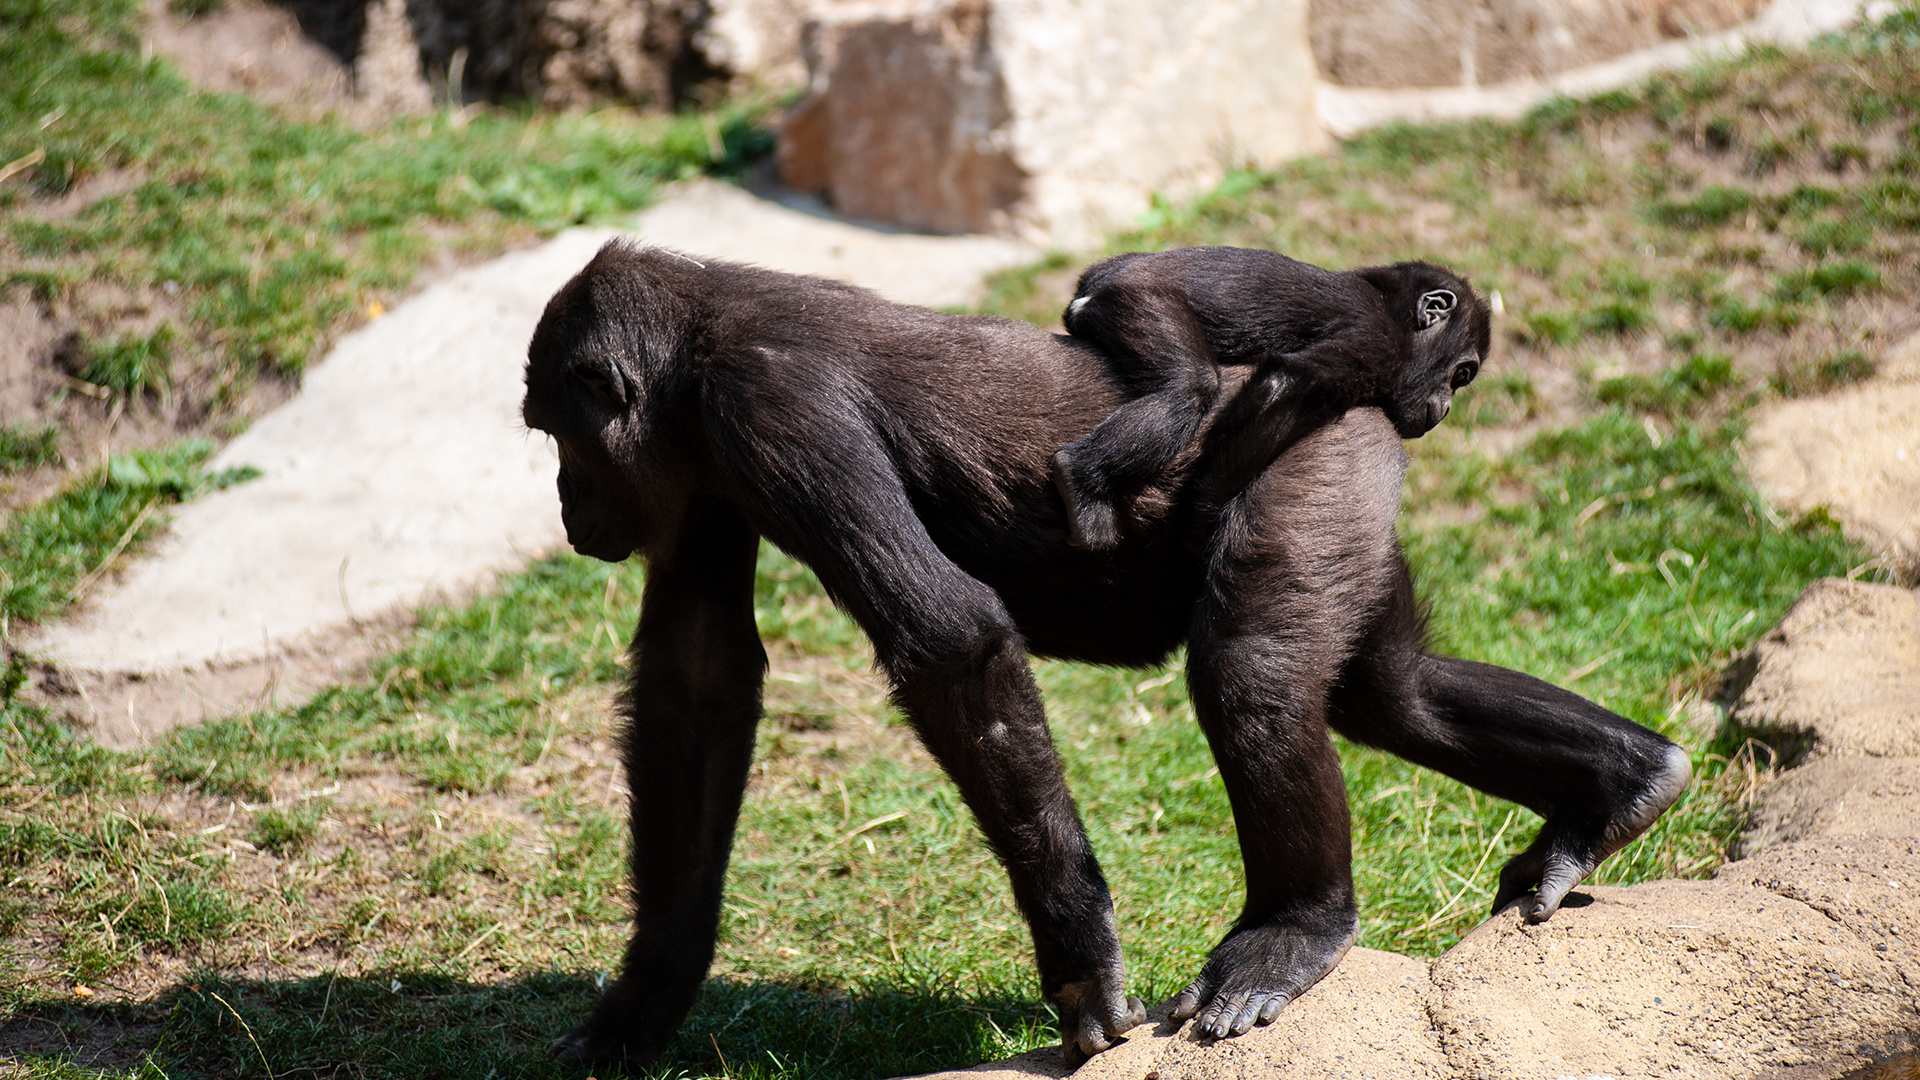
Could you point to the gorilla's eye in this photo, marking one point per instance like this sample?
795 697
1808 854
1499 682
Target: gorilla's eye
604 380
1464 374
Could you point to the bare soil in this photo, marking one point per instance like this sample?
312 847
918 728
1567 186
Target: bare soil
254 48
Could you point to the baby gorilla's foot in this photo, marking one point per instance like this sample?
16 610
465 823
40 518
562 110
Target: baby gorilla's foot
1565 851
1092 522
1257 970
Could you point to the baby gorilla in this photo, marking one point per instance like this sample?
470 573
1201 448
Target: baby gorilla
1402 337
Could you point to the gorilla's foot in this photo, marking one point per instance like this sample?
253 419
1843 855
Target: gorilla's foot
1257 970
1567 850
574 1046
609 1034
1092 522
1092 1015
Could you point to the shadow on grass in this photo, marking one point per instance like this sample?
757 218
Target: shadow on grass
415 1024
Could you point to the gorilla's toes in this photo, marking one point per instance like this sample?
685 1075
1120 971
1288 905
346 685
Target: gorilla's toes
1564 853
575 1046
590 1043
1256 971
1092 1019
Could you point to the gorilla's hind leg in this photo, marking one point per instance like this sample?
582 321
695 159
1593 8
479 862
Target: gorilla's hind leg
1598 779
1157 347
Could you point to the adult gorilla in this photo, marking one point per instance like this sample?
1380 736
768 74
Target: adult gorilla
904 456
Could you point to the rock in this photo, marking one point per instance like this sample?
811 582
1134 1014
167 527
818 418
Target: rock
617 50
386 73
1855 453
757 41
1838 796
1843 666
255 48
1059 116
907 122
1669 978
1365 1021
1868 884
1405 43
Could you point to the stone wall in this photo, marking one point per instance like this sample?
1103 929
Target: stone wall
1399 43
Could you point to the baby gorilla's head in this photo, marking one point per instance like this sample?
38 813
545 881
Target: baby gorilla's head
1445 333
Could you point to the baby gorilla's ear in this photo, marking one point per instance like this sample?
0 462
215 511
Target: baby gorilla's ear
1434 307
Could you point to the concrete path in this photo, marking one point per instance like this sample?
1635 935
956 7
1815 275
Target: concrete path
402 473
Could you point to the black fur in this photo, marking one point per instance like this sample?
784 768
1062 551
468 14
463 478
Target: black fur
904 455
1402 337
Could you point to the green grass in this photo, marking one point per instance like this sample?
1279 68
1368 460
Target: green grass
421 873
27 446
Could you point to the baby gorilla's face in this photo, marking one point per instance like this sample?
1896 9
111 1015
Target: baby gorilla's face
1447 346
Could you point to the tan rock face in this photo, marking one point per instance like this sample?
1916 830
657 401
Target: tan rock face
1366 1021
1402 43
386 74
1061 115
1855 452
1868 884
1838 796
1666 979
1844 666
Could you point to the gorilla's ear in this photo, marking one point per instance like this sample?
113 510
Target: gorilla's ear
1434 307
603 379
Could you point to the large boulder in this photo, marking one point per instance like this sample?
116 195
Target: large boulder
1670 978
1062 116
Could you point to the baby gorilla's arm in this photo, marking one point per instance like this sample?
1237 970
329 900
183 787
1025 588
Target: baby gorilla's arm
1287 398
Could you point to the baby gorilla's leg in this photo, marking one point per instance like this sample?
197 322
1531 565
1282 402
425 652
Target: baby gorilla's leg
1159 350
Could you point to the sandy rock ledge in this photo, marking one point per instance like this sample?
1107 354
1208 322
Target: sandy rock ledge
1798 962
